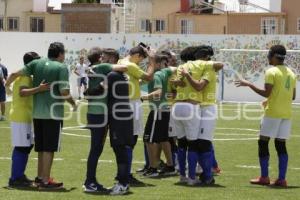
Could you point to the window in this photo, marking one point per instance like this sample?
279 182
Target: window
269 26
37 24
187 26
13 23
145 25
1 24
298 24
160 25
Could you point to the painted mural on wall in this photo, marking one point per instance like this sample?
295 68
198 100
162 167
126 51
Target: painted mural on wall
250 65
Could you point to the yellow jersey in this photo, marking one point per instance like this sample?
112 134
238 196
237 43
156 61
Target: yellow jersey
209 92
279 103
21 107
196 69
134 73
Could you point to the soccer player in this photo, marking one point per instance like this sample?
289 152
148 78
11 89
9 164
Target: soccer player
81 71
135 74
121 128
280 91
186 55
48 108
207 86
21 119
4 73
187 109
157 126
97 116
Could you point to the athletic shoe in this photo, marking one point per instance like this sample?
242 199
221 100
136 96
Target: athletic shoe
151 172
20 182
183 179
216 171
134 182
119 189
199 170
161 165
2 118
37 181
260 181
208 182
142 170
168 171
94 188
51 185
193 182
279 183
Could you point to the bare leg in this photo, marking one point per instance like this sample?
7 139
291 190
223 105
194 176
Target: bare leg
2 104
152 153
166 147
47 165
40 165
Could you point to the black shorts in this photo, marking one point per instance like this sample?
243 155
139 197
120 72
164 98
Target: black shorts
157 127
47 134
2 93
121 130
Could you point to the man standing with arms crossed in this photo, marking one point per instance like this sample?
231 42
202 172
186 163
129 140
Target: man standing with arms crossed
48 108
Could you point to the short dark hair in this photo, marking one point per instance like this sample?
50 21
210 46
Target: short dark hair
138 50
94 55
30 56
55 49
279 51
160 57
112 52
203 51
188 54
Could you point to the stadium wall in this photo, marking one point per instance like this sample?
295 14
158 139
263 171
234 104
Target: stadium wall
241 62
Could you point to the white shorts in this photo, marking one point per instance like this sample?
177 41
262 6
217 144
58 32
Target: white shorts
207 122
172 127
138 116
276 128
186 118
21 134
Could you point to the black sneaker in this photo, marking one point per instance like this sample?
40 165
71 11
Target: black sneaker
168 171
206 182
37 181
134 182
94 188
151 172
142 170
51 185
20 182
161 165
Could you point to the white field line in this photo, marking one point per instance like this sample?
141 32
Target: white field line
112 161
8 158
257 167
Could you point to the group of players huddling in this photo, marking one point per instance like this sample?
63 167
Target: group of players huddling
181 121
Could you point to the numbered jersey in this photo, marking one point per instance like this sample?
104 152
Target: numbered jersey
283 80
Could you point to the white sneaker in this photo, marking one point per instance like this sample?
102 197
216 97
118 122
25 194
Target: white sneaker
119 189
199 169
183 179
2 118
193 182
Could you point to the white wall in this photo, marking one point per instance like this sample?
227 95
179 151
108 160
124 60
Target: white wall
40 5
248 65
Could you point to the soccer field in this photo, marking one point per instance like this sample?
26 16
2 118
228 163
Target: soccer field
236 151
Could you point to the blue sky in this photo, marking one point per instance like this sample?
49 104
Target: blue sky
264 3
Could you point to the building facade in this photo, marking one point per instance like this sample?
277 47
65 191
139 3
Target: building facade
86 18
28 16
291 8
